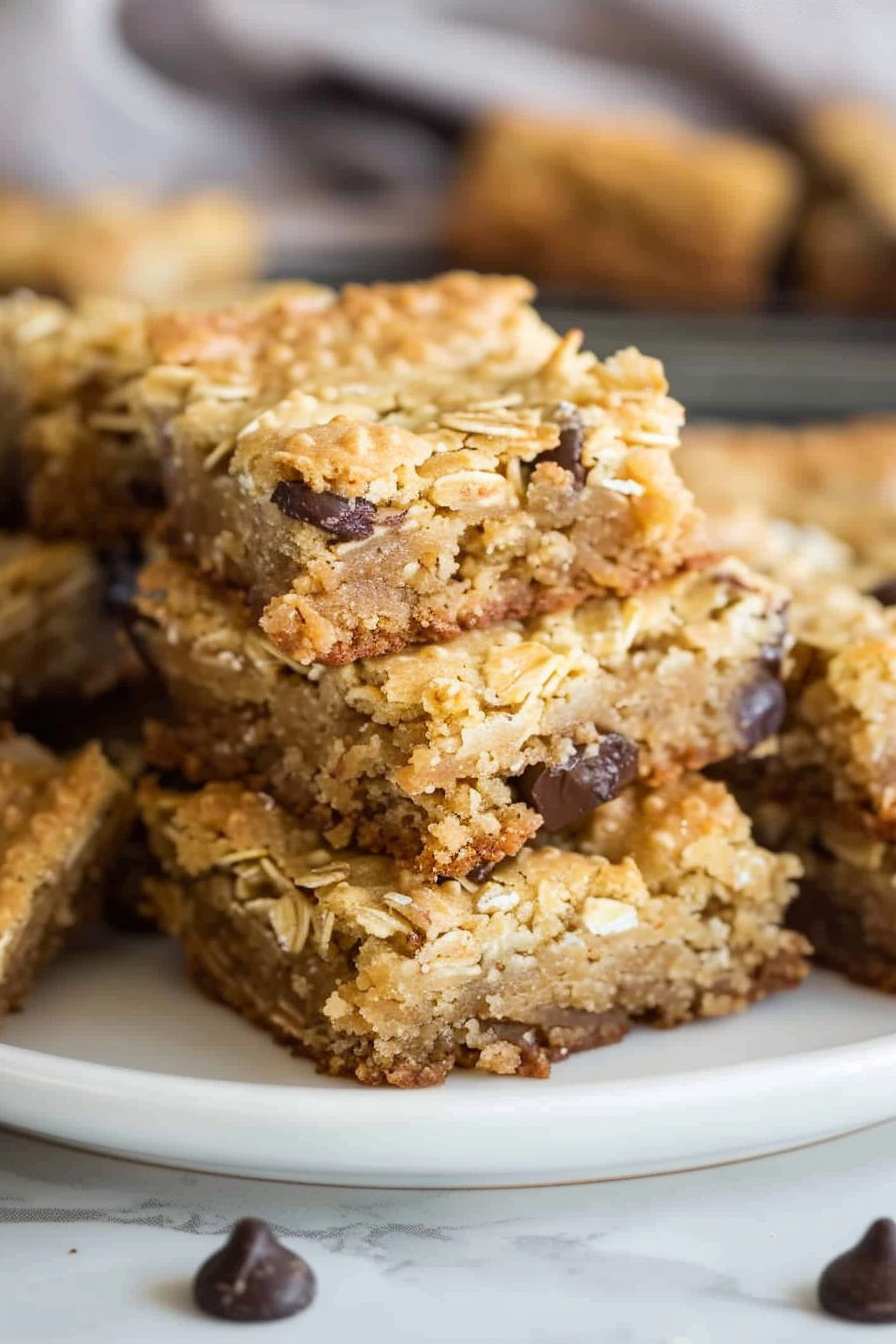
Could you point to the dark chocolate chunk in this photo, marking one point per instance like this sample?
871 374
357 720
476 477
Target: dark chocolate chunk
253 1277
480 872
885 592
566 793
568 453
346 519
860 1285
760 709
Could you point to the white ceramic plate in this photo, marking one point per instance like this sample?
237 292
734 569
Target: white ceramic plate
117 1052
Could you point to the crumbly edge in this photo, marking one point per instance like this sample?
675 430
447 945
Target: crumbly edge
70 375
369 968
63 824
416 752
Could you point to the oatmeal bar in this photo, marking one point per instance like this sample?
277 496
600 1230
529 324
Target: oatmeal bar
437 459
156 251
449 756
852 148
57 635
826 790
67 377
838 475
649 212
845 250
660 907
122 243
61 825
63 373
842 262
846 905
837 741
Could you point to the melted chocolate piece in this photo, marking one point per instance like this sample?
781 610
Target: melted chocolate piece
253 1277
860 1285
345 519
566 793
568 453
885 592
760 710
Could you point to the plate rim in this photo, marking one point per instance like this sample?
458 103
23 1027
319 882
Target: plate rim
44 1069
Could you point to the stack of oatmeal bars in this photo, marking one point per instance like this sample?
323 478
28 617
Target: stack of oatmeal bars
443 647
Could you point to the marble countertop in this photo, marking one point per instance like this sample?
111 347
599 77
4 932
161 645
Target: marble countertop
94 1249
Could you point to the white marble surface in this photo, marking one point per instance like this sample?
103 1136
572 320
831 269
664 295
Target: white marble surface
96 1250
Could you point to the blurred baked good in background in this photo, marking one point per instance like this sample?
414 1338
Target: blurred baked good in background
641 212
846 246
128 243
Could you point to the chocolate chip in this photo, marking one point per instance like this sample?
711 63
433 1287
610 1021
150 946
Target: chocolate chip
346 519
885 592
480 872
253 1277
566 793
860 1285
568 453
760 710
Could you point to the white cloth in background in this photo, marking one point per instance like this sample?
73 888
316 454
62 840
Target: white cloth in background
167 92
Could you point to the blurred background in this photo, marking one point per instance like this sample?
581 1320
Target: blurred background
364 130
731 158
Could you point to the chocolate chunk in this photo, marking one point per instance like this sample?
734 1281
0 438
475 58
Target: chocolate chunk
253 1277
568 453
566 793
346 519
885 592
860 1285
480 872
760 710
